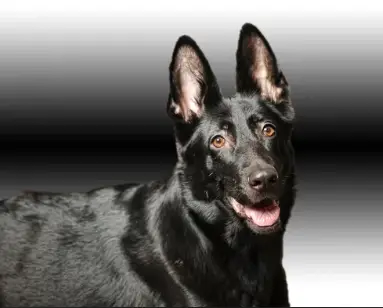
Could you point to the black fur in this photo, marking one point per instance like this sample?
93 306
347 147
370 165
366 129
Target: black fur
177 242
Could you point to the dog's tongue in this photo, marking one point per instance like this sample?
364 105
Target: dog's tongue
263 217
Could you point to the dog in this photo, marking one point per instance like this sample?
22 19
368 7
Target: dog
209 235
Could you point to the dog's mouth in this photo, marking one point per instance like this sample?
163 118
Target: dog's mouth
264 214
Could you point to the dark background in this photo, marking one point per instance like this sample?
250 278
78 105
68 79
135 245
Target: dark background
83 88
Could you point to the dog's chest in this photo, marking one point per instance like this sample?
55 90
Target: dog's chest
254 274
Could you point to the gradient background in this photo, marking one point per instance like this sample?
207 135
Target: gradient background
83 88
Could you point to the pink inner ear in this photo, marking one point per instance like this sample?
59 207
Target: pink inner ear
191 92
189 71
261 60
262 71
269 91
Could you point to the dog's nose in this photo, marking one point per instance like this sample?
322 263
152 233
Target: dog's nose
263 179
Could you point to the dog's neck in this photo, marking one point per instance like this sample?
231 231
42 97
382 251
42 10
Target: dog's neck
217 243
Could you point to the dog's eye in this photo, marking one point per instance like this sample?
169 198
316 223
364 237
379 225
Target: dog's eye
268 131
218 141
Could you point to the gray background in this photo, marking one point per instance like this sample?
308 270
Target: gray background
83 87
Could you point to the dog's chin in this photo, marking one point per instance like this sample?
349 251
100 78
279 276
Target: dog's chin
262 217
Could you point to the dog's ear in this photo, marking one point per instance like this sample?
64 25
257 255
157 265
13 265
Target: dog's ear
193 86
257 67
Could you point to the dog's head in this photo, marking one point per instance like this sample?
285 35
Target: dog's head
235 149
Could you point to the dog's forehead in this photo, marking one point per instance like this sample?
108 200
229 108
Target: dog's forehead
239 111
244 108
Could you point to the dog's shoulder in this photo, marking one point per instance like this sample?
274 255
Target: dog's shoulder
82 230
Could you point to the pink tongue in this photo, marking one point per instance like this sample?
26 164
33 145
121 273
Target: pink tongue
263 217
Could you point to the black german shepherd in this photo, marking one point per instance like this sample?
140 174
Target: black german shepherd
210 235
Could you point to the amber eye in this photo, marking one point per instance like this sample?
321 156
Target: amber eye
218 142
268 130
